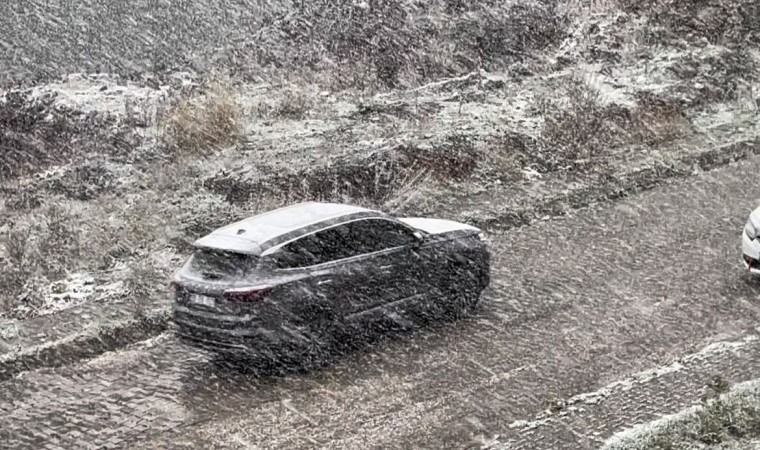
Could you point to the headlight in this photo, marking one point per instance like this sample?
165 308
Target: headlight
750 230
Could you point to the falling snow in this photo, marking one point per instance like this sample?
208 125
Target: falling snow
542 247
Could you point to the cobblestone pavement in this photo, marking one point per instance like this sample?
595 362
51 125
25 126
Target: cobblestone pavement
580 304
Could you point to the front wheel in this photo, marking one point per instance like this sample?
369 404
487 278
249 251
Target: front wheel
464 292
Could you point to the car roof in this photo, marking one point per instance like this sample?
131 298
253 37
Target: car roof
257 233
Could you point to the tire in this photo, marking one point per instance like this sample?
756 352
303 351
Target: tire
465 291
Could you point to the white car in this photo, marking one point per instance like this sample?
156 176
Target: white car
751 242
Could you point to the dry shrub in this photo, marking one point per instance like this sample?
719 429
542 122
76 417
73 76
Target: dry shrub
145 281
376 34
371 179
58 237
494 32
36 134
50 243
14 272
290 104
507 154
656 120
378 43
584 132
16 241
44 250
715 77
453 159
207 120
579 135
731 23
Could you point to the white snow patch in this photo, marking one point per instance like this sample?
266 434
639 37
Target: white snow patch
638 436
531 173
63 294
128 355
66 293
101 93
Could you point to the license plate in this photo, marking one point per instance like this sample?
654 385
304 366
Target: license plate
203 300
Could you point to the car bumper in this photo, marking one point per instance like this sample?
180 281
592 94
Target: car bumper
207 332
751 254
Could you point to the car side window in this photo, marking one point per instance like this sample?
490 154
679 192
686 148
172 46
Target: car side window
312 249
374 235
343 241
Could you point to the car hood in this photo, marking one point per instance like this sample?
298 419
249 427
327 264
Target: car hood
437 226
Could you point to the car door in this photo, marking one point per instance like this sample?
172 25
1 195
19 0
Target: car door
390 259
325 280
357 266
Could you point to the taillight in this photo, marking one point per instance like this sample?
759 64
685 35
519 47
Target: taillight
248 294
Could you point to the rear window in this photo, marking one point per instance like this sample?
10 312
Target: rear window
220 264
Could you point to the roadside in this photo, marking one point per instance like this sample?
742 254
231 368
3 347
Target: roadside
727 419
578 303
94 328
587 419
111 178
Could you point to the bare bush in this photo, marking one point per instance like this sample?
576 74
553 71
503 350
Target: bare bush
16 242
36 134
14 275
204 121
290 104
58 241
734 23
578 135
715 77
380 42
370 179
656 120
145 281
587 131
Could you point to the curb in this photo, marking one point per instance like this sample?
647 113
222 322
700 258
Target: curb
113 336
87 344
612 188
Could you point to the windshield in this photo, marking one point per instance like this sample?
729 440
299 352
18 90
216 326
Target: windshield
221 264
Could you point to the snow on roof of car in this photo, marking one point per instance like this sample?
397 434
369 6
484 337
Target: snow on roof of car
250 235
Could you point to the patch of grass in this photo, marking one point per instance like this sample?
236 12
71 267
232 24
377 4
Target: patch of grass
205 120
291 104
381 44
582 131
145 281
716 77
725 419
372 179
732 23
731 416
36 134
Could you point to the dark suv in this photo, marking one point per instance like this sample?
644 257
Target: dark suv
313 271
